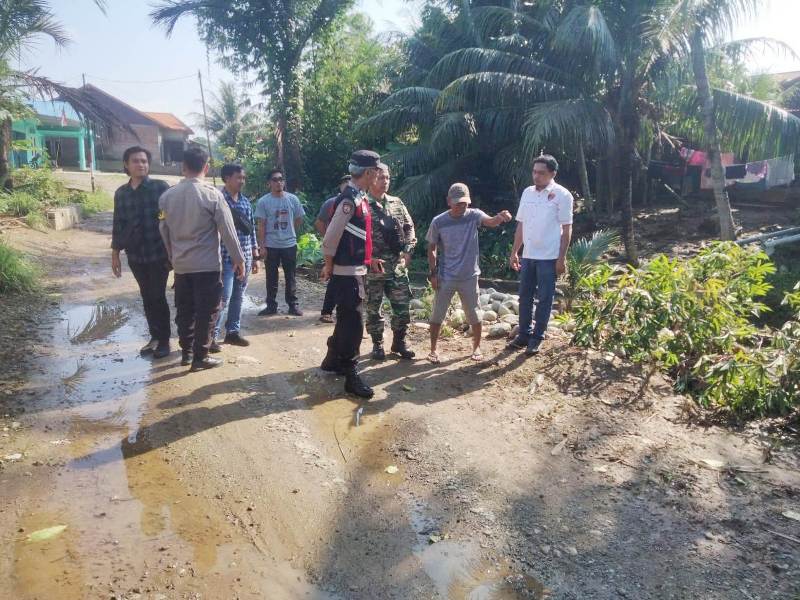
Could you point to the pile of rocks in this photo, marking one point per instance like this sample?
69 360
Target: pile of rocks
500 312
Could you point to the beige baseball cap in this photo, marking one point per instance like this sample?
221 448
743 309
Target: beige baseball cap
459 192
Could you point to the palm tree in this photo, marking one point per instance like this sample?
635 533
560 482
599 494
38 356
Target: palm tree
268 37
22 22
230 115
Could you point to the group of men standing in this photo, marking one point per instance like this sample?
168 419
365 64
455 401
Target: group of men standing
210 238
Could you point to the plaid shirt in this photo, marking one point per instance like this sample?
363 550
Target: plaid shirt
138 209
247 242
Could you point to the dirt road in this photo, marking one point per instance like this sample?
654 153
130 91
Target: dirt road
564 476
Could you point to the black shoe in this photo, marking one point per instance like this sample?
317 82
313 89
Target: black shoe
205 363
353 384
533 347
330 364
215 348
295 310
399 346
269 310
517 343
162 350
187 356
234 339
378 353
149 347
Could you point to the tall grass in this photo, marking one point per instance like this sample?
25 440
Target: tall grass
17 274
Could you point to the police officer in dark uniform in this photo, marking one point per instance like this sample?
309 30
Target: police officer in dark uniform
347 248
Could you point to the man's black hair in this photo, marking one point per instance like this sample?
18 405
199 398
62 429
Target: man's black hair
273 171
126 156
229 169
195 159
548 161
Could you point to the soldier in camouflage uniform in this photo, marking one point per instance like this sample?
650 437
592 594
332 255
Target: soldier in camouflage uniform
393 242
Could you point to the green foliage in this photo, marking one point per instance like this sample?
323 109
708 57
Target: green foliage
309 250
36 220
582 258
93 202
39 183
17 274
19 204
694 319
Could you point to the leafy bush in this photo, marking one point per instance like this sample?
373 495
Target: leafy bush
693 318
19 204
16 273
582 257
40 184
309 250
36 220
92 203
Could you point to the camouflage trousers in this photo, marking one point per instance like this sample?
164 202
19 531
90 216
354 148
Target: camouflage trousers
397 289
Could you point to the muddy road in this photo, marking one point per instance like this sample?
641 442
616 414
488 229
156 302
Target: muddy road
564 476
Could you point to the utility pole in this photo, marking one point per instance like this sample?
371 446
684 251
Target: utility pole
205 120
91 142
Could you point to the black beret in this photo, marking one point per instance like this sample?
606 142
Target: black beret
365 158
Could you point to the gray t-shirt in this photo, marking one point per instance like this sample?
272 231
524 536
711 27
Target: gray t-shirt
279 215
326 211
457 244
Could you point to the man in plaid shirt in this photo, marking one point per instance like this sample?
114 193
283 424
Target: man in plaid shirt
233 289
135 231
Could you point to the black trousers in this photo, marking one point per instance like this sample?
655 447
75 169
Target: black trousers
286 257
152 280
197 301
345 343
328 304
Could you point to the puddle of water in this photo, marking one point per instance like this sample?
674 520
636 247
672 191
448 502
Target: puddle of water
458 570
93 323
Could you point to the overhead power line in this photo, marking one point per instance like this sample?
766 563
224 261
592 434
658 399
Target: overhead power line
89 75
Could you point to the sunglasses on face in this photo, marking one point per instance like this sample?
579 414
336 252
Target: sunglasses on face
277 179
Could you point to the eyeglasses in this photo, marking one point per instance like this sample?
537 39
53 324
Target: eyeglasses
277 179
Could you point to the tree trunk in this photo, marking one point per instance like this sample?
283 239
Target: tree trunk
601 184
584 177
706 98
626 159
5 146
293 162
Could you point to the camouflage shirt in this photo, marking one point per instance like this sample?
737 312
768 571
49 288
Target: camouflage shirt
393 206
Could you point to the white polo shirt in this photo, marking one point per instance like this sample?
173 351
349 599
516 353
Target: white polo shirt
542 213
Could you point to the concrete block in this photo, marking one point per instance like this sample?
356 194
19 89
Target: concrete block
64 217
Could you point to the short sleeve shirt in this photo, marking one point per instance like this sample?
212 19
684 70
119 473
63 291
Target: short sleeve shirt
279 214
542 213
456 240
326 211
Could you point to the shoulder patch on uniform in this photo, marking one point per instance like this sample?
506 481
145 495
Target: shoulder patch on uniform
162 215
347 207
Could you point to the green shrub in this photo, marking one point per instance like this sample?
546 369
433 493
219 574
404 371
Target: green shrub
694 319
19 204
92 203
17 274
40 184
36 220
309 250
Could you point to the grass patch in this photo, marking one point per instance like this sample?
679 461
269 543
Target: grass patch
92 203
17 274
36 220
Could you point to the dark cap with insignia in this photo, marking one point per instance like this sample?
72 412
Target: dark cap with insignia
365 158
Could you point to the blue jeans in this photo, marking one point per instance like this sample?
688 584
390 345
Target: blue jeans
536 278
232 293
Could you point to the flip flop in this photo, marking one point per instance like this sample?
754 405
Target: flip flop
477 356
434 358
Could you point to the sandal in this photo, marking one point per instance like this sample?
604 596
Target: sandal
326 319
477 355
434 358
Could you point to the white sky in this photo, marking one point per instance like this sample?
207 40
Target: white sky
122 49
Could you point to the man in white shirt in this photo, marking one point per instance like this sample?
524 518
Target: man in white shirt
544 230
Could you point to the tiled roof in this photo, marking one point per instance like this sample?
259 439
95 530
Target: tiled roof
169 121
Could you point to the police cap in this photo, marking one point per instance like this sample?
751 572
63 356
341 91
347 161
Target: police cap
365 158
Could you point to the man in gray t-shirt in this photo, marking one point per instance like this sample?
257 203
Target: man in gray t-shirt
279 215
453 259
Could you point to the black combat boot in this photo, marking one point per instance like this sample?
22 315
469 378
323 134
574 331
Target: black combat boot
399 345
353 384
330 363
378 353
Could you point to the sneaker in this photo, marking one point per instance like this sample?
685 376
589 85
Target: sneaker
187 356
295 310
517 343
533 347
205 363
234 339
215 348
162 349
269 310
149 347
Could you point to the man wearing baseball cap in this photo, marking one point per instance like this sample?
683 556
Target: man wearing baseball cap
347 247
453 259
